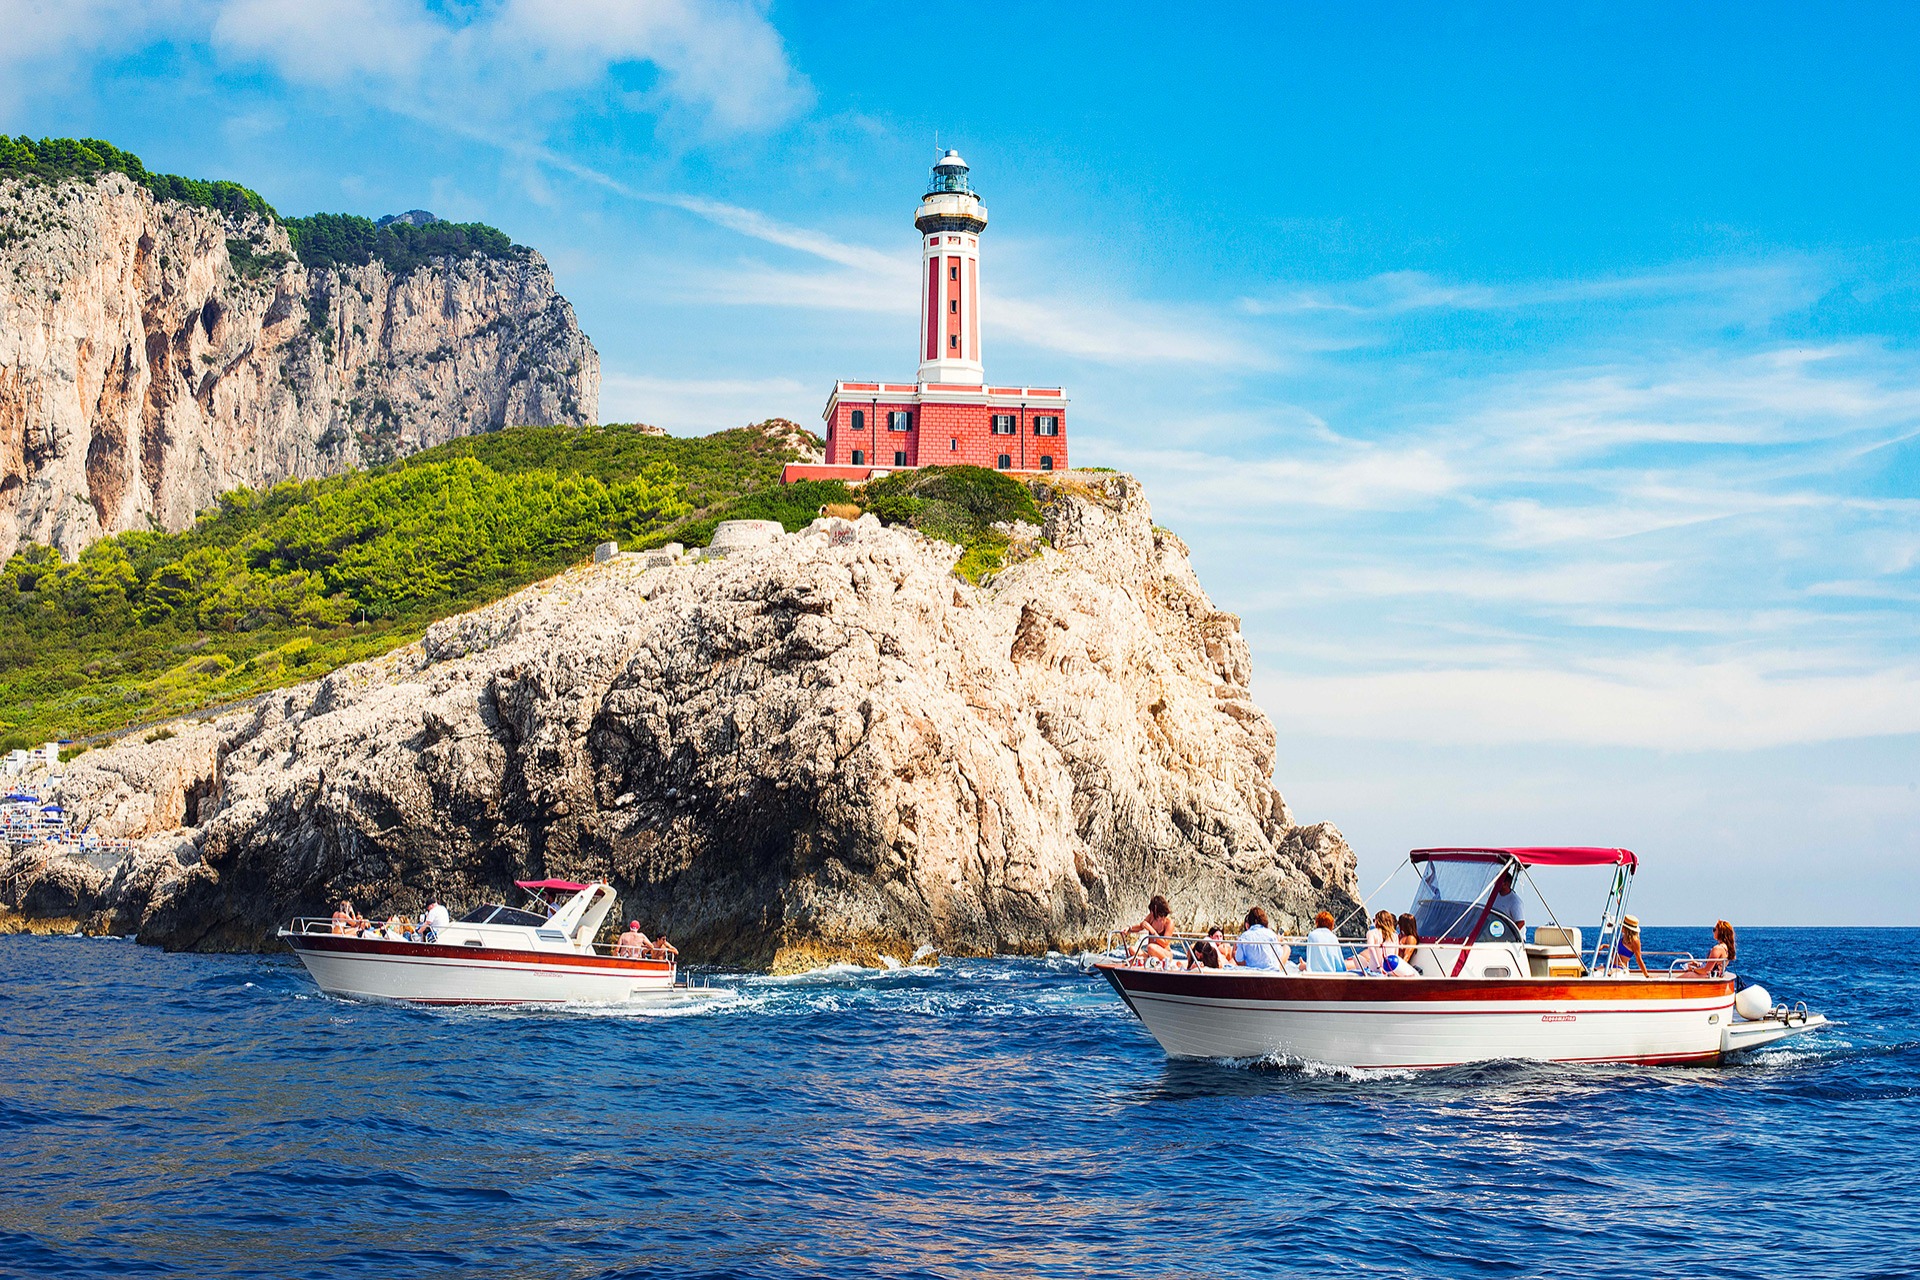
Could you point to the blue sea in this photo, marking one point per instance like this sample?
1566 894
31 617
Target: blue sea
188 1115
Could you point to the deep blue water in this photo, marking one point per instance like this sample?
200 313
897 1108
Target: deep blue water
215 1116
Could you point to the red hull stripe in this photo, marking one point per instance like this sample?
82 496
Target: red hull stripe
1359 990
442 953
1520 1009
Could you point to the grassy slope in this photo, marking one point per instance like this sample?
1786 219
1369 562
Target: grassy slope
270 589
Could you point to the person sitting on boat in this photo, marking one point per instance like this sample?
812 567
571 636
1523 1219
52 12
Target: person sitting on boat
1507 901
1406 943
633 944
1627 948
399 928
1383 940
1218 937
1718 960
344 920
1324 954
1211 953
436 920
1259 947
1158 926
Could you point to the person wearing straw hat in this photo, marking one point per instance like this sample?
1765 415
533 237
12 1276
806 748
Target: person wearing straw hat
1628 945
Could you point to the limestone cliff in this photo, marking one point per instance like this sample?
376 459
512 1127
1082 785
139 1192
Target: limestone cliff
826 746
154 354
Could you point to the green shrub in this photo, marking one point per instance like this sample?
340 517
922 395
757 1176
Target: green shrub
348 240
276 586
958 505
795 506
62 159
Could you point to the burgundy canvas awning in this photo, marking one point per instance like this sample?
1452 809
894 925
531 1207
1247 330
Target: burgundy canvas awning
1535 857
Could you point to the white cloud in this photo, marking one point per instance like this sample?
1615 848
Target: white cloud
1347 476
1672 705
695 406
719 63
45 43
1758 288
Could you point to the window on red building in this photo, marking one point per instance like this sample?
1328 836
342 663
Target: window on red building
1046 462
899 457
953 446
859 420
899 420
1005 462
953 340
859 458
1003 424
1046 425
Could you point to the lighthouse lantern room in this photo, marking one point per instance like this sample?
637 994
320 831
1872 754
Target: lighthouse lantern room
950 413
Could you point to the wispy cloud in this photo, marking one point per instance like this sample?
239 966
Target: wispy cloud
885 281
691 406
1397 293
1668 705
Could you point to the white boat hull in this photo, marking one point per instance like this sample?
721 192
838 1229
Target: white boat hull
432 973
1418 1023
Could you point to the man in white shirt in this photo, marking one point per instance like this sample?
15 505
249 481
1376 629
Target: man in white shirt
1507 902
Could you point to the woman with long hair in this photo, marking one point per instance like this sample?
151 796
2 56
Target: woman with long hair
1382 941
1720 959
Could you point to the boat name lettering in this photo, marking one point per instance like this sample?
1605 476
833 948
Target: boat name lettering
1559 1017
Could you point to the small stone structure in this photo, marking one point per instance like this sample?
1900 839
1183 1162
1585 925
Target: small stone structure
605 552
737 535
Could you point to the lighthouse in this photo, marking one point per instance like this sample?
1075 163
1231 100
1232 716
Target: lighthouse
950 414
950 219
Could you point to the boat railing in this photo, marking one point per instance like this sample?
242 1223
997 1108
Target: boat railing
1132 947
323 925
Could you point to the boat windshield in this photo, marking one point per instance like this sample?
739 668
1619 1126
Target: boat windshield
1451 895
494 913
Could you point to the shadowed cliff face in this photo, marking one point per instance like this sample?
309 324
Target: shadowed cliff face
144 369
830 747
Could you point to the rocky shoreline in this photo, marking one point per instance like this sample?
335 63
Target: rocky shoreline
826 747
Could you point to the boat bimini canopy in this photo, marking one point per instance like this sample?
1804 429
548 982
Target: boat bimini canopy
581 916
1534 857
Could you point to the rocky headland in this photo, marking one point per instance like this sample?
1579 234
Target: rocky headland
155 354
826 746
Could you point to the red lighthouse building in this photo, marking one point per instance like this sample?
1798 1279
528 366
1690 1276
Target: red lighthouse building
950 413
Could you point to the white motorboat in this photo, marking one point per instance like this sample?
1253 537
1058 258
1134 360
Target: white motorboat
494 954
1477 990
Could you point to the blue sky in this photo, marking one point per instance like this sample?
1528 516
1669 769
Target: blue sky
1539 383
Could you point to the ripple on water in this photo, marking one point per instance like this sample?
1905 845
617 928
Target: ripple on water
215 1116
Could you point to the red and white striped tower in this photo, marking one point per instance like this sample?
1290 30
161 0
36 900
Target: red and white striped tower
950 219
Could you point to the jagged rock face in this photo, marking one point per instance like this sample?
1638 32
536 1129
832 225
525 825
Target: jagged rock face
826 747
142 374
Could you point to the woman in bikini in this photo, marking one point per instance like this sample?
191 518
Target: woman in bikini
1382 941
1158 928
1720 959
